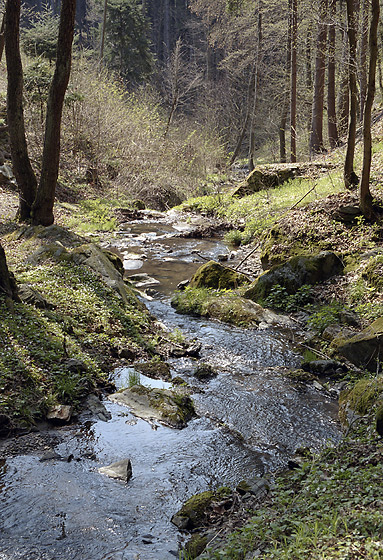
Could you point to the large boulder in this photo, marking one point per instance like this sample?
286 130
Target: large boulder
194 512
272 175
364 349
295 273
215 275
168 407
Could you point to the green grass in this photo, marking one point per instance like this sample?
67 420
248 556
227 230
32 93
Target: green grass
259 211
330 509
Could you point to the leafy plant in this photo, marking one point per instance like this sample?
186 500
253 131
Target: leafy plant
281 300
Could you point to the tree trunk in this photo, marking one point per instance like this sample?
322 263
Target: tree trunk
331 97
42 210
350 177
293 92
285 106
365 198
316 135
363 57
8 285
255 97
22 168
344 92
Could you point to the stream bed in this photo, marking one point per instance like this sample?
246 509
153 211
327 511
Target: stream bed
55 505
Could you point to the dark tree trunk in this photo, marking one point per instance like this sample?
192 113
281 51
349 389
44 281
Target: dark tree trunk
22 168
350 177
42 210
316 135
309 78
344 91
331 96
255 96
365 198
363 57
7 282
285 106
293 92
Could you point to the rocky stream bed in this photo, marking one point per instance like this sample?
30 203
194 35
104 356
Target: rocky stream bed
56 503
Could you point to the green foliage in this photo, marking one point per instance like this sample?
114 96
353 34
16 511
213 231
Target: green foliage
281 300
127 45
327 315
233 237
40 37
37 79
95 215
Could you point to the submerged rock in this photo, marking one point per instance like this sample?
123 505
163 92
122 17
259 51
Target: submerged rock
215 275
295 273
205 371
364 349
168 407
122 470
97 409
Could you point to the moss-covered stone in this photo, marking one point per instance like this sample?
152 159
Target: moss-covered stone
365 348
295 273
155 368
205 371
169 407
217 276
374 272
360 399
193 513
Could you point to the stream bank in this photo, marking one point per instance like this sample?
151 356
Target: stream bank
55 502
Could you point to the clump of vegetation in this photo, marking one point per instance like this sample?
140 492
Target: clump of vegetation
281 300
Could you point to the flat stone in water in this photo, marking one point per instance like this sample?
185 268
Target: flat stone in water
122 470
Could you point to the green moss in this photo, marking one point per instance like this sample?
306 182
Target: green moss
373 273
217 276
155 368
362 397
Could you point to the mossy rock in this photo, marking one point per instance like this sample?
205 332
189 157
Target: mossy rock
156 369
374 272
168 407
196 545
295 273
138 204
215 275
265 177
365 348
194 511
204 372
115 260
366 394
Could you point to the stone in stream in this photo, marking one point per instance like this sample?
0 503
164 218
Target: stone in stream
217 276
122 470
364 349
171 408
60 414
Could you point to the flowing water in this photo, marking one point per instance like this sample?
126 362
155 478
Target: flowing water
251 419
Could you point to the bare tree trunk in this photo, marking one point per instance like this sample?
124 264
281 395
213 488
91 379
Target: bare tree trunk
331 97
309 78
363 57
285 106
365 198
316 135
255 96
350 177
344 90
42 210
2 37
293 92
241 136
8 285
22 168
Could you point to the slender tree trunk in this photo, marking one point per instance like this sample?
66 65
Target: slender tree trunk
255 96
316 135
331 96
363 57
285 106
309 78
22 168
344 90
250 91
350 177
42 210
365 198
2 37
293 92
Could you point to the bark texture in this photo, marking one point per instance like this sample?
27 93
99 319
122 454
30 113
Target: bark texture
22 168
350 177
365 198
42 210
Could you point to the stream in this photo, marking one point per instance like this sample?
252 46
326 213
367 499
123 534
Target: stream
55 505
